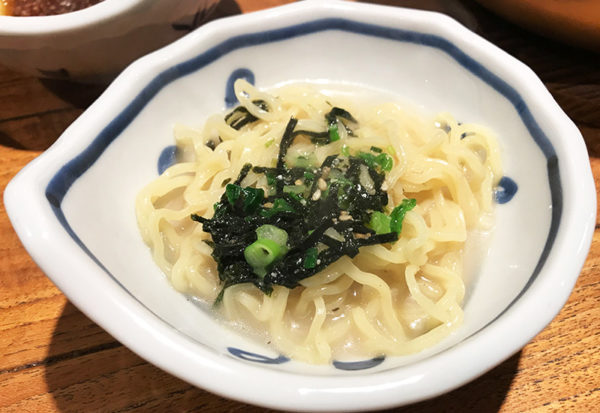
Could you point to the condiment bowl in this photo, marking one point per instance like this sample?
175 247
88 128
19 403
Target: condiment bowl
73 207
94 44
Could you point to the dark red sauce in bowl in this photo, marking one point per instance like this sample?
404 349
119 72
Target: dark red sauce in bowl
43 7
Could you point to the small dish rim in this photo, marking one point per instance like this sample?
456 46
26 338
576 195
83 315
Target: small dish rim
30 26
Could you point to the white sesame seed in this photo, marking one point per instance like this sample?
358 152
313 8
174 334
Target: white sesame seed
345 216
322 184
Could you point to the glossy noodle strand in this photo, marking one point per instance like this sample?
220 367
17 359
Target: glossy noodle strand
392 298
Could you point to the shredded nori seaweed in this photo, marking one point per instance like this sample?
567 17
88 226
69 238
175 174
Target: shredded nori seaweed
308 215
240 116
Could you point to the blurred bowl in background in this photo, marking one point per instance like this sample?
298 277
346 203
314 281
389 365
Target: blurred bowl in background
94 44
573 22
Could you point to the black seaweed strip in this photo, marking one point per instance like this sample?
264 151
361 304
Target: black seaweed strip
211 144
337 112
330 242
264 170
239 124
243 173
312 134
312 239
326 163
235 111
377 178
261 104
244 118
199 218
318 138
286 142
356 226
354 169
379 239
294 203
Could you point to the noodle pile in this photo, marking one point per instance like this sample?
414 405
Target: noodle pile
393 299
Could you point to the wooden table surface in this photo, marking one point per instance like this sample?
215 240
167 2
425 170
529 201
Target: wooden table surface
53 358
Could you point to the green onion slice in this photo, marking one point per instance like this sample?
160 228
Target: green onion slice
233 192
294 189
273 233
310 258
380 223
334 134
262 253
279 205
397 215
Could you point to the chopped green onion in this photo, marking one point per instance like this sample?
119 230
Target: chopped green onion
345 150
233 192
262 253
376 149
335 175
397 215
309 176
334 134
294 189
279 205
253 197
385 161
310 259
369 159
297 197
271 180
390 149
343 198
305 161
380 223
269 142
273 233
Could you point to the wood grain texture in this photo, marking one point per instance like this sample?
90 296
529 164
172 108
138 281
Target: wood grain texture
54 359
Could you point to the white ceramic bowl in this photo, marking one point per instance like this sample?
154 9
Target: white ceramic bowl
96 43
73 206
